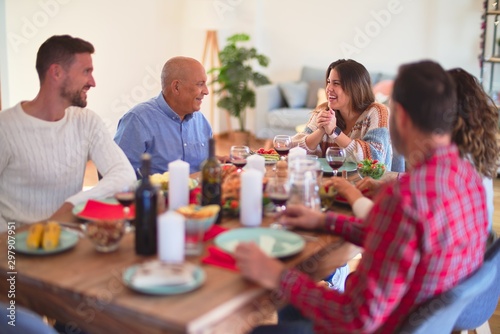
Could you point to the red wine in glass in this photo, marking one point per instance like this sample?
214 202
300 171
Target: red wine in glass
125 198
279 200
282 151
240 163
335 164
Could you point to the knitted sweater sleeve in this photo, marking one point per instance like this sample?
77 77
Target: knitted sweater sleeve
109 159
371 138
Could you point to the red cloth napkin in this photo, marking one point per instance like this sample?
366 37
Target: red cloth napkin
219 258
99 210
213 232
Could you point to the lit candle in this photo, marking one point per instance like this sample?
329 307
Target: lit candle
171 237
251 198
178 184
256 162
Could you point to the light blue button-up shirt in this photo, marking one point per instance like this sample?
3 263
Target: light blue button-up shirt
153 127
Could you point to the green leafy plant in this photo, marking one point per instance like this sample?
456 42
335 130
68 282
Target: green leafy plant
237 78
372 168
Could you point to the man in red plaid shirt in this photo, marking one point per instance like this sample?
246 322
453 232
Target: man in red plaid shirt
424 234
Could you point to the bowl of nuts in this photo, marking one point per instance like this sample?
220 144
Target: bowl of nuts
105 234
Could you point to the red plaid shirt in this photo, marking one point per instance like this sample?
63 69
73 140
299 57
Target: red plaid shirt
423 235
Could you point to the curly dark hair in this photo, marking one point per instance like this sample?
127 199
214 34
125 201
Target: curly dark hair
477 123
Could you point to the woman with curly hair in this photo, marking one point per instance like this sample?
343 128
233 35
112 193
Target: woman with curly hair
474 134
350 118
475 130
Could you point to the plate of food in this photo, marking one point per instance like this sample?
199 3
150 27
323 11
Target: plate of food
161 181
45 239
159 278
270 156
275 243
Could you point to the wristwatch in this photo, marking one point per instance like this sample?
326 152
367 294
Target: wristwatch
336 132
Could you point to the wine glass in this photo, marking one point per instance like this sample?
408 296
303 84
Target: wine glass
282 144
239 155
278 190
126 197
335 156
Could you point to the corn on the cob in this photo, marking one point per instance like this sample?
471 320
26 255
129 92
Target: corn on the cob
51 234
34 239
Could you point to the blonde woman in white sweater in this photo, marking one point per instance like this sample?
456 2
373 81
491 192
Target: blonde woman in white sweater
45 143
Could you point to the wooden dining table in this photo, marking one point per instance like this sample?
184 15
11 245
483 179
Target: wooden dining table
84 288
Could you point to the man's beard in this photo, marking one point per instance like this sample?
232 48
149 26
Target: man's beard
75 97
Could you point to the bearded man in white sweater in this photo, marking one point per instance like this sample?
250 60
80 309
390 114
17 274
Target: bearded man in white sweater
45 143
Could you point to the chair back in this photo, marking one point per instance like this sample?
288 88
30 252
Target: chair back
25 321
482 306
439 314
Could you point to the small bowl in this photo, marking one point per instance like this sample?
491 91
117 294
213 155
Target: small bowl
205 215
105 234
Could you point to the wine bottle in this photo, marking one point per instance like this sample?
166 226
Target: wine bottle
211 178
146 199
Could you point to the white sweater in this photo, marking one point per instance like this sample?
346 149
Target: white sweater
42 164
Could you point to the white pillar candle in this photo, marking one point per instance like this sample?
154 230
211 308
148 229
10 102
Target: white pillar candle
171 227
296 152
178 184
251 198
256 162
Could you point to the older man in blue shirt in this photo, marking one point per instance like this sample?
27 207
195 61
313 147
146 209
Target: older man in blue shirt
169 126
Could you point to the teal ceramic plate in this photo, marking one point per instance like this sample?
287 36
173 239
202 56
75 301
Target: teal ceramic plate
67 240
276 243
198 275
348 166
79 207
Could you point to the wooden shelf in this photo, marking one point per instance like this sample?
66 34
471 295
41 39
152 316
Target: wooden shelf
493 12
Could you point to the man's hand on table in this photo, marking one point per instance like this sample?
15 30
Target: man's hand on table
256 266
302 217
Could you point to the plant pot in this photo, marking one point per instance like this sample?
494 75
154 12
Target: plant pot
241 138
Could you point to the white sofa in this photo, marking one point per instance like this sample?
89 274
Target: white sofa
281 107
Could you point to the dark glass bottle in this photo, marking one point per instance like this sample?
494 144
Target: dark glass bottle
211 179
146 199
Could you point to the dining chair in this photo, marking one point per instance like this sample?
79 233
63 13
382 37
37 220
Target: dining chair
439 314
476 315
26 321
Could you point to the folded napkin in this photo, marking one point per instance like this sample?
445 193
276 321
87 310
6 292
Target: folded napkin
213 232
219 258
95 209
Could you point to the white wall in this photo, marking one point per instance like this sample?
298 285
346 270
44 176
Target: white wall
134 38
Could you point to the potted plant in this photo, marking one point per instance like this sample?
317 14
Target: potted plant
236 77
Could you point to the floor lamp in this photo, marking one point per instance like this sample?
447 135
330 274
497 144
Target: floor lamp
211 51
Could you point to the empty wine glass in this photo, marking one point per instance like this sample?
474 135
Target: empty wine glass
335 156
239 155
282 144
278 191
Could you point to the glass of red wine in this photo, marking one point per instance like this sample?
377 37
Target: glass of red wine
126 197
335 156
278 191
238 156
282 145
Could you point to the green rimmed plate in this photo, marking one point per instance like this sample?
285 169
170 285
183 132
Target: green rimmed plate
67 240
276 243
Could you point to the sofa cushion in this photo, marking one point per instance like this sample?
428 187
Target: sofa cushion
294 93
312 93
288 118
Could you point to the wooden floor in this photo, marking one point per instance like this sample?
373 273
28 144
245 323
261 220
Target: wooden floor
222 148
